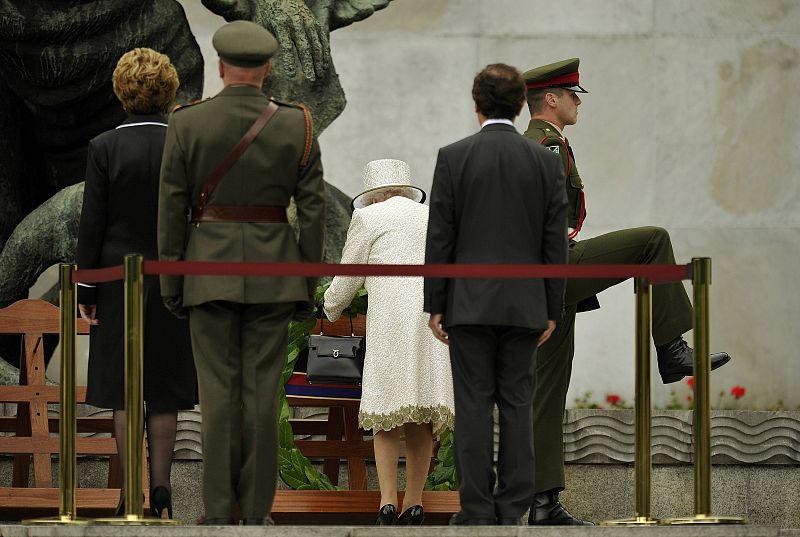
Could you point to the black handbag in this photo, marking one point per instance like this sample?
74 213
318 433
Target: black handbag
335 359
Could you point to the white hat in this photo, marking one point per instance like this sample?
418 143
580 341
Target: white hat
387 173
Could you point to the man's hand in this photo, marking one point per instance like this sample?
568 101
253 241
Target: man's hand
435 323
88 313
303 310
175 306
551 326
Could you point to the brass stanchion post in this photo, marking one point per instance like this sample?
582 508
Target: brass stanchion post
643 460
701 283
134 398
67 422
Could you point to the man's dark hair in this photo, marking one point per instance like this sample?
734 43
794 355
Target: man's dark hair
535 97
499 91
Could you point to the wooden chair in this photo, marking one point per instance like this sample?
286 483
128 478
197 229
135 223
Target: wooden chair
343 439
33 442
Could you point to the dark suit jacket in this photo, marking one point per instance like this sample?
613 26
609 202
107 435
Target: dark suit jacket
118 217
497 197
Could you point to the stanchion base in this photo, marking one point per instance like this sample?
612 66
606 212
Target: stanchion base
136 520
704 519
635 521
61 520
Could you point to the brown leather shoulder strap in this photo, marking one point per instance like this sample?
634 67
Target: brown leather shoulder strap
231 158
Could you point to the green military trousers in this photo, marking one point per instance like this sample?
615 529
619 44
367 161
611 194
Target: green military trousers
671 316
240 352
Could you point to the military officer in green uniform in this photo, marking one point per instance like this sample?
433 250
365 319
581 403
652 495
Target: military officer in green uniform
239 324
553 102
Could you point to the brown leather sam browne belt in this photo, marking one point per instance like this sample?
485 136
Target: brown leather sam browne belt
226 213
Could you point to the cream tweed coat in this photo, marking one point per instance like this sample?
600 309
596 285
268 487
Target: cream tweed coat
407 376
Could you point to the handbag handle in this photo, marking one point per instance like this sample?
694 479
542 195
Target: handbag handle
322 321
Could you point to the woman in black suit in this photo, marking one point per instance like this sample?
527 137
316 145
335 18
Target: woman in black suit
119 217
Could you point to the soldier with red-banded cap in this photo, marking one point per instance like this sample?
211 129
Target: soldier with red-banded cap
231 164
553 102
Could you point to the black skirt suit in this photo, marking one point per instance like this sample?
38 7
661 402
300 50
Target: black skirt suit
119 217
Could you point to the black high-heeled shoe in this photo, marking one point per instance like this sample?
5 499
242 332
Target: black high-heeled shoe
387 516
413 516
160 499
120 506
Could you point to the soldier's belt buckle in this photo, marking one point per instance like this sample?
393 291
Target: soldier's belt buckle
335 353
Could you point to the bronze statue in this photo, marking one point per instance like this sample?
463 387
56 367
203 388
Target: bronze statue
57 57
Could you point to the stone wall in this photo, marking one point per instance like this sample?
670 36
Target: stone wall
691 123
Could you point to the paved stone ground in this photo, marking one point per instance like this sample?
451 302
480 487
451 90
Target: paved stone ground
423 531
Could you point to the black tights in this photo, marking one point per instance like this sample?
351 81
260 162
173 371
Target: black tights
161 428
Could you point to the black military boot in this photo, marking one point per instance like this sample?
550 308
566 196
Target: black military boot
548 511
675 360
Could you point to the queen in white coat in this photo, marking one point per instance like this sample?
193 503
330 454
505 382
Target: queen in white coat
407 382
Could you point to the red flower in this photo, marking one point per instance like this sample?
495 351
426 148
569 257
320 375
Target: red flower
613 398
738 392
690 382
689 398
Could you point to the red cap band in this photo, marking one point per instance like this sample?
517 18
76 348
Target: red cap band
565 80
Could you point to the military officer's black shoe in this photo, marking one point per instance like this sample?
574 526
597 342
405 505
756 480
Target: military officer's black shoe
675 360
548 511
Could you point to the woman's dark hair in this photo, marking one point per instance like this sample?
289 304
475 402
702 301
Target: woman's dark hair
499 91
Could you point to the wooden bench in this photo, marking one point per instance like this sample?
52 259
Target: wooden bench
352 507
34 442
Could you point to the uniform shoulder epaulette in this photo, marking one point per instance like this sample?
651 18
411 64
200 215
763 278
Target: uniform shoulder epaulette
550 134
180 106
309 128
286 103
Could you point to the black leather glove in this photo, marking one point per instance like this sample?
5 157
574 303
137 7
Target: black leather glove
319 312
175 306
303 310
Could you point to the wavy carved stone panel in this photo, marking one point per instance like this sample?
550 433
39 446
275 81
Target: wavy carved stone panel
607 436
737 437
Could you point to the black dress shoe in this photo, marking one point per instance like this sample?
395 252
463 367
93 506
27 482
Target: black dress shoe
413 516
254 521
548 511
160 500
675 360
459 520
387 516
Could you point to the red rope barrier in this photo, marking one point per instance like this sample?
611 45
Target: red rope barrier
655 273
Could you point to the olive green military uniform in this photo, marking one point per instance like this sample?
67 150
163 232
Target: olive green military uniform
239 324
672 313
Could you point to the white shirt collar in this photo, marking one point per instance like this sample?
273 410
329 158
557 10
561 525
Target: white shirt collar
140 123
500 120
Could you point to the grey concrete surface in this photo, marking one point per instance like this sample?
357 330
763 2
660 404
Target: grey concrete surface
423 531
766 494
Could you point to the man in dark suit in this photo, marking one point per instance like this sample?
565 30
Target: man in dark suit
239 324
496 198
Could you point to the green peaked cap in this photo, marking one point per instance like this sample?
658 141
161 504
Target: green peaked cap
563 74
244 44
